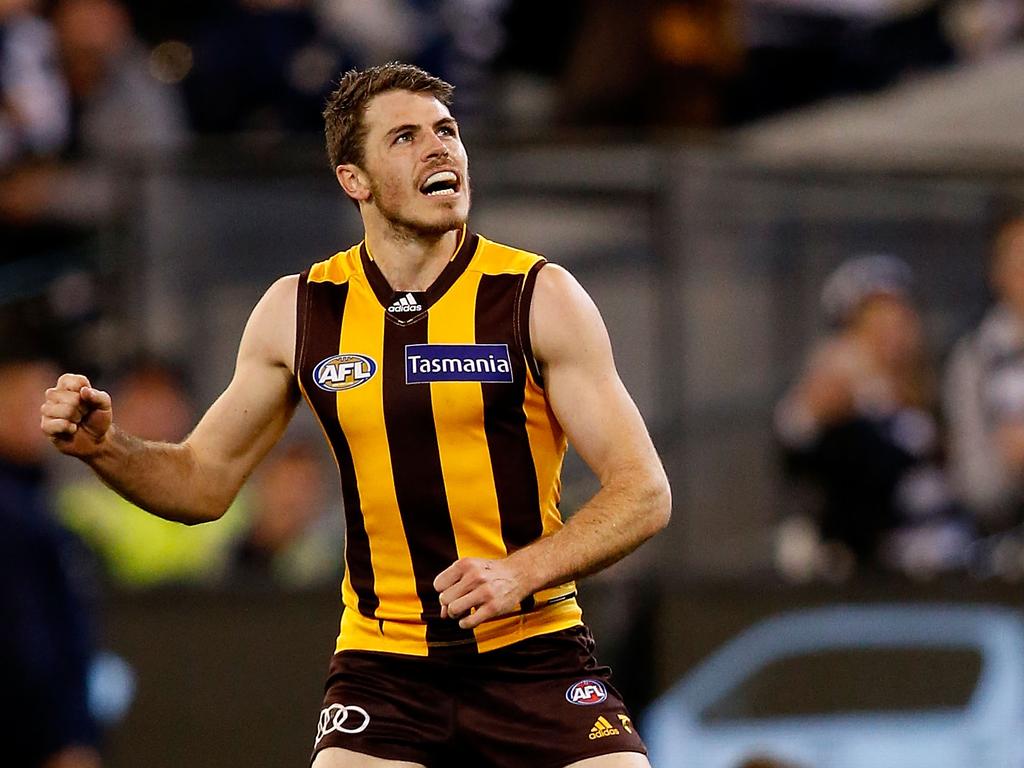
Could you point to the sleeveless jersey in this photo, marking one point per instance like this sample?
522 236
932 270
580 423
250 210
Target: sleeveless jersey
434 409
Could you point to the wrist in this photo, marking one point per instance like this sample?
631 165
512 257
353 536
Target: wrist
103 448
527 569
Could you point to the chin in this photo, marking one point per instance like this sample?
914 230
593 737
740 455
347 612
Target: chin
437 226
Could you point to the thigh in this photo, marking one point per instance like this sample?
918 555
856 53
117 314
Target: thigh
333 757
617 760
382 709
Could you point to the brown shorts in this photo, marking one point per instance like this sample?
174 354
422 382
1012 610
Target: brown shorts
543 702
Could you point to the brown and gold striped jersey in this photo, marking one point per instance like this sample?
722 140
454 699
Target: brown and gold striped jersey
435 411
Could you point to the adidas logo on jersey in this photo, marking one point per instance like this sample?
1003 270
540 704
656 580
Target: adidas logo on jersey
603 728
407 303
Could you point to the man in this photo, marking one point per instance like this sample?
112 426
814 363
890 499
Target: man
985 401
46 646
858 425
446 372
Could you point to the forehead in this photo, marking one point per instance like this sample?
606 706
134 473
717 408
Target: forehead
393 108
887 305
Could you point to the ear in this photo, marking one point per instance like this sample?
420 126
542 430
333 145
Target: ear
353 181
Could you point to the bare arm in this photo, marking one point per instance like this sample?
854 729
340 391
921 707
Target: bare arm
603 424
196 480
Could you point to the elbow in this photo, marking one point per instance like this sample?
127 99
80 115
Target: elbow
658 504
200 516
204 510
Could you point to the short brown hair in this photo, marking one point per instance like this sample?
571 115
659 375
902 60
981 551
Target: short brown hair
343 115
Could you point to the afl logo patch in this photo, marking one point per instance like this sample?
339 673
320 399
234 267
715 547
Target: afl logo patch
586 692
341 372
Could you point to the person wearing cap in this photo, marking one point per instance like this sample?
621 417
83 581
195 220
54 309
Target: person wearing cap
858 425
984 404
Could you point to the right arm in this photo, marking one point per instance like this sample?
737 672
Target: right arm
196 480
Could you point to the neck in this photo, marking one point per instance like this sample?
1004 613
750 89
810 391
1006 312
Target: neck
411 261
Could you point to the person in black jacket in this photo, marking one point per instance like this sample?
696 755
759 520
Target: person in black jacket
46 642
859 424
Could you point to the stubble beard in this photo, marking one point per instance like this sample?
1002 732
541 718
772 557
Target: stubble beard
416 229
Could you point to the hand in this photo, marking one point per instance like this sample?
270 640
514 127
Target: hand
75 416
478 590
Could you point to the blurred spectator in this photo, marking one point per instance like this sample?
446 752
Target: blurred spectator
980 28
261 65
35 113
120 112
46 644
385 30
670 61
858 424
539 38
800 51
121 109
135 548
35 125
293 534
985 402
113 109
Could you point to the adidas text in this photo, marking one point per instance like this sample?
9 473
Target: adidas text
603 728
406 304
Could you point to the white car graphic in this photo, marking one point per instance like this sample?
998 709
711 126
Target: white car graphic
896 686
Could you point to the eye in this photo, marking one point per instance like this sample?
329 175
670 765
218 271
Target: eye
446 130
403 137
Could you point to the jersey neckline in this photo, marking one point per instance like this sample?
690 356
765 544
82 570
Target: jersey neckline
385 294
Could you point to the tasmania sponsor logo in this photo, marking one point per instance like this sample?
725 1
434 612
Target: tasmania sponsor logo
488 363
586 692
342 372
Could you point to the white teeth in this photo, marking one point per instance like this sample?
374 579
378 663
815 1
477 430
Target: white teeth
440 176
440 192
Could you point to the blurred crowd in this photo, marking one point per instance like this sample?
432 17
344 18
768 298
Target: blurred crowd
909 467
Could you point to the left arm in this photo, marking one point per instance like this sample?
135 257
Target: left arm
604 425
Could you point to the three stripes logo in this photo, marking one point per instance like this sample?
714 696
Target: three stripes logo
407 303
603 728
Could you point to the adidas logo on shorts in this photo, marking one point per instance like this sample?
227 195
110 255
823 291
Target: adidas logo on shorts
603 728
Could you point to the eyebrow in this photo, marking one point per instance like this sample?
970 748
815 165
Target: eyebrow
415 127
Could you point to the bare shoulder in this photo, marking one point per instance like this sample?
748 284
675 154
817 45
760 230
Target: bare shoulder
270 332
563 318
556 285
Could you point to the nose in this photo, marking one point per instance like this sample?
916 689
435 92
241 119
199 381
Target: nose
436 148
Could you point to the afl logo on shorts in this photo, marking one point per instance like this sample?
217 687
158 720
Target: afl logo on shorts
342 372
586 692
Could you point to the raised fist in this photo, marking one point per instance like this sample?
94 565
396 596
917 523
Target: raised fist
76 417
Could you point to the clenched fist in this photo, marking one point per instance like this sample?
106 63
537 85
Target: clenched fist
76 417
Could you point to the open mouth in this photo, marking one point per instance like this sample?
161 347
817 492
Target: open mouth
440 184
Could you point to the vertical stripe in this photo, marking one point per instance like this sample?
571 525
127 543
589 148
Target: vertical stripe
547 446
515 478
320 336
522 320
419 480
459 424
361 414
